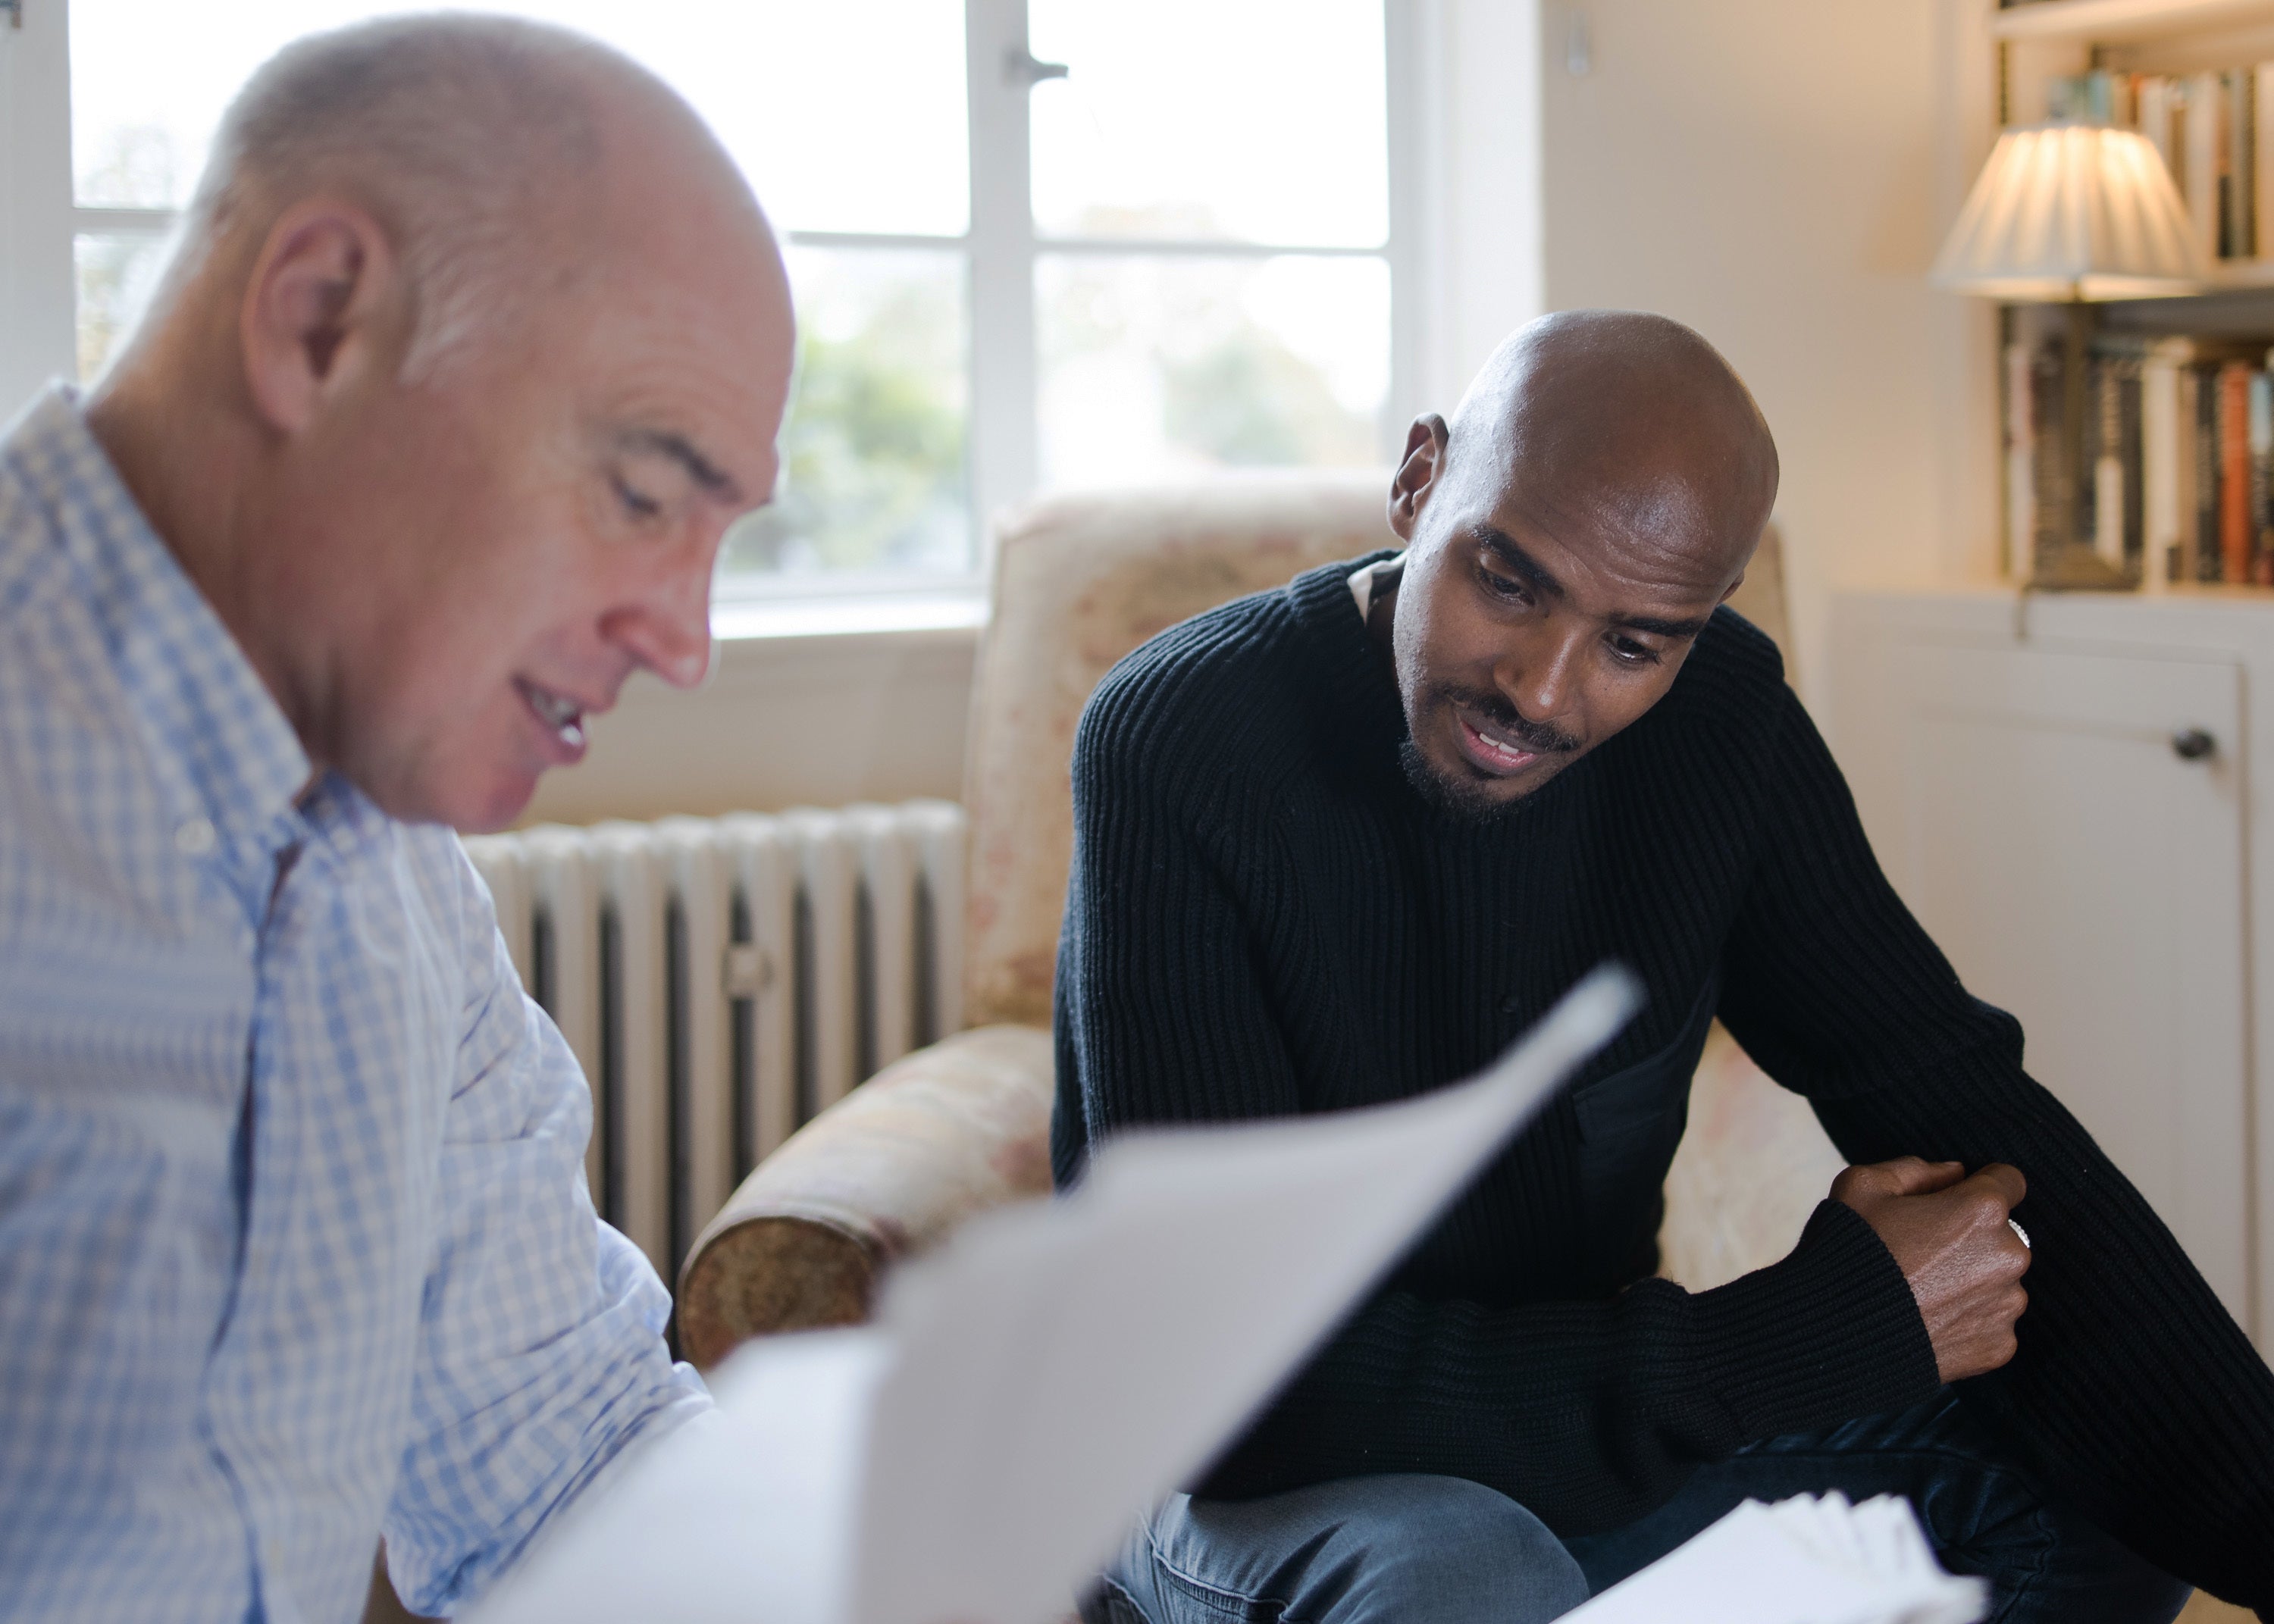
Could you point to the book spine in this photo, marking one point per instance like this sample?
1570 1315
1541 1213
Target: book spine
2204 533
2261 156
2156 124
2020 464
2203 151
2131 549
2183 561
2163 510
2108 464
2053 458
2234 525
2261 476
2241 213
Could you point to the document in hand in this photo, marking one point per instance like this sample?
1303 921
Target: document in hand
1029 1390
1805 1561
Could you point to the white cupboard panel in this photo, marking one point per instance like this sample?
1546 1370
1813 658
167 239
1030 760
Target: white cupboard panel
2083 873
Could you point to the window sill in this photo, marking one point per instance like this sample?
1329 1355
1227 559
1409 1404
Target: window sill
749 619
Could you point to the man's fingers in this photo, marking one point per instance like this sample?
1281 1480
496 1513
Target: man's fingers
2006 1181
1904 1176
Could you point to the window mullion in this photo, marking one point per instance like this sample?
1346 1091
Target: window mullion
1414 59
38 289
1003 369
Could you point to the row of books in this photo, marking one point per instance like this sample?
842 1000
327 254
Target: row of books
2208 126
2169 476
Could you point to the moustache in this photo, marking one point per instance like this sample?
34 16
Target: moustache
1510 721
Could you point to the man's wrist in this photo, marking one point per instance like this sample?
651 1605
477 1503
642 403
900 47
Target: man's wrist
1830 1332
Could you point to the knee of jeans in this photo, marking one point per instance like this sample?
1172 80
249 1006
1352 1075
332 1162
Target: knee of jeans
1440 1536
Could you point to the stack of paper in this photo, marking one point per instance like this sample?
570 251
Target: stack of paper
1800 1561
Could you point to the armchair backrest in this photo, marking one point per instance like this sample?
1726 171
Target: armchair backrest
1080 582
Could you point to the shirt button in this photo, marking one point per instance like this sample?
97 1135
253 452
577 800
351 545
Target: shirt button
194 838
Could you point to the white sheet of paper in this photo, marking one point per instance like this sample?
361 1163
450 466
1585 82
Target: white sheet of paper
742 1515
1806 1560
1050 1373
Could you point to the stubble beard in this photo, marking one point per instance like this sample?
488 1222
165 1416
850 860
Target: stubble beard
1462 799
1462 794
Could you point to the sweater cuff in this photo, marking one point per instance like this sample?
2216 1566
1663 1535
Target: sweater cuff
1830 1333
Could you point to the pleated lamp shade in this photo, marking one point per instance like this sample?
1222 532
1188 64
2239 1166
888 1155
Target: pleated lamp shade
2070 211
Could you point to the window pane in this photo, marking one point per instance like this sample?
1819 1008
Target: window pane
1258 120
873 449
116 277
1159 367
847 116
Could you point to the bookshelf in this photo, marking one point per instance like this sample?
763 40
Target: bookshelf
2196 77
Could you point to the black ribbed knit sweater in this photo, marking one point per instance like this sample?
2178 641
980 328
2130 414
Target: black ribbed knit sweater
1265 918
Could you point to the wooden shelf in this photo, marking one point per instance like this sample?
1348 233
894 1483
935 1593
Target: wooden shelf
2237 275
2227 276
2115 21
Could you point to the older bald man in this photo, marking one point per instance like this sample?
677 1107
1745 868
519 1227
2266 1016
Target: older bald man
1340 843
475 343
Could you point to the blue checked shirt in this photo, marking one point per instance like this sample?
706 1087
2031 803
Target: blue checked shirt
295 1245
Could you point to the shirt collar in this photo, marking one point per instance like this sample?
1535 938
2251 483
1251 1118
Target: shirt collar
201 703
1363 579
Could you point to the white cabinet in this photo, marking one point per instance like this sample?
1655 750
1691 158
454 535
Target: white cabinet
2066 808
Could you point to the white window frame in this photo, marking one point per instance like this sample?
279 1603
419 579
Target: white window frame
40 219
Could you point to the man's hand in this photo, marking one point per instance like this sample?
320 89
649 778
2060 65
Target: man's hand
1949 1235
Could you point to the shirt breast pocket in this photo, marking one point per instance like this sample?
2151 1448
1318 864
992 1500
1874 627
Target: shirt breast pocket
1630 1123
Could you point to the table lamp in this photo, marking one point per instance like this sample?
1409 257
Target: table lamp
2075 213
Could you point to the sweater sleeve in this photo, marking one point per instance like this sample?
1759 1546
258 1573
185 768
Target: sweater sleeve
1590 1413
2133 1389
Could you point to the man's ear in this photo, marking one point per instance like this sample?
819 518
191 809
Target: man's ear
322 307
1418 474
1733 587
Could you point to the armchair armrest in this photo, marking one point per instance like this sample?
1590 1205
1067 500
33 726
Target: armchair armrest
933 1139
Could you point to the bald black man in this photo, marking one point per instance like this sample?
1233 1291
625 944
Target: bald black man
1340 843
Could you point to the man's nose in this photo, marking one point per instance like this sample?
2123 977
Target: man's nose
669 631
1539 680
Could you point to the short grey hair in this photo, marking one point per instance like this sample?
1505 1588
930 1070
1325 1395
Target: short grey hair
460 132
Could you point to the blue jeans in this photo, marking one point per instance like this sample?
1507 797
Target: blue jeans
1423 1550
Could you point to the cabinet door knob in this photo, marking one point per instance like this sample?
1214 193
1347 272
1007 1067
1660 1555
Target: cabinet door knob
2193 744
